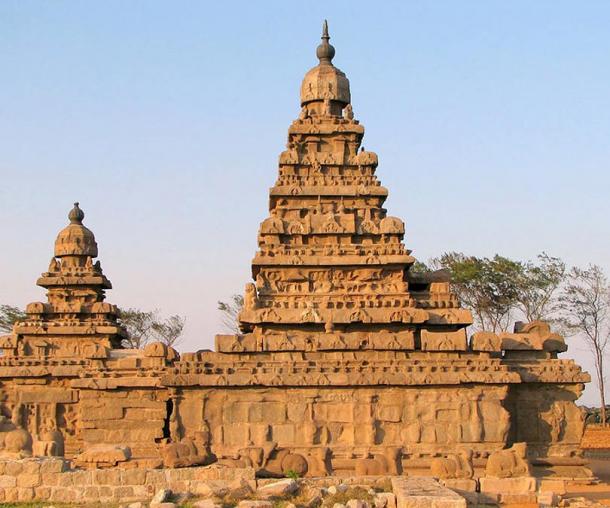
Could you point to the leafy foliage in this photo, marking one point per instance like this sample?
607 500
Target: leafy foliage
486 286
230 311
498 289
144 327
585 307
9 315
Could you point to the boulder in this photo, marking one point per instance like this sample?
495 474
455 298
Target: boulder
278 489
161 496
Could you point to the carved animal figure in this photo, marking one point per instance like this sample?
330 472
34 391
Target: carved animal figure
284 461
184 454
382 464
509 463
318 462
50 443
453 466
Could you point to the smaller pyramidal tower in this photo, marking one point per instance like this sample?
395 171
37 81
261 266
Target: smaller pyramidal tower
75 321
332 271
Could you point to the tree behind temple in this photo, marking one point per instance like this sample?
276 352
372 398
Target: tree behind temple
9 315
538 288
229 312
485 286
586 312
144 327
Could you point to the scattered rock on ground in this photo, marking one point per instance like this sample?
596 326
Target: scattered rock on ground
357 503
255 504
240 489
278 489
161 496
206 503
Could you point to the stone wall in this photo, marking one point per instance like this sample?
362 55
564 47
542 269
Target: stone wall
50 479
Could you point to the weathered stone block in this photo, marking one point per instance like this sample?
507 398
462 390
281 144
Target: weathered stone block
53 465
424 492
25 494
65 479
133 476
389 497
8 481
124 493
14 468
82 478
28 480
277 489
31 466
107 476
519 485
91 493
42 493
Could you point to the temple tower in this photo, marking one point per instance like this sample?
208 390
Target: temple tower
75 321
330 258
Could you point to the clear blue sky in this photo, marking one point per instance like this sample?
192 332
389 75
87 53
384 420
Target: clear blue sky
165 119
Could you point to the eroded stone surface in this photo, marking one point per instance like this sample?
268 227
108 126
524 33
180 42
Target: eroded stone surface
347 362
423 492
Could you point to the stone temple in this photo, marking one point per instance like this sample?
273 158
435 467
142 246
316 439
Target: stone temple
348 362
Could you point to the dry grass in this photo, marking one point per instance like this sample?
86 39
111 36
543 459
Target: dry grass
344 497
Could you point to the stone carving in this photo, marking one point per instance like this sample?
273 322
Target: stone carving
103 455
186 452
509 463
15 441
347 360
381 464
454 466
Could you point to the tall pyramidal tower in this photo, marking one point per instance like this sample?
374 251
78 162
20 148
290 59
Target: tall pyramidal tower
332 272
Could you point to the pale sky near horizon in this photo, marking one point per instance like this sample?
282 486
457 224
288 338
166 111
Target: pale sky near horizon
165 120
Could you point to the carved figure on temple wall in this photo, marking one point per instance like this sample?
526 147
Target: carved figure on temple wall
250 299
185 453
386 463
454 466
15 441
509 463
50 441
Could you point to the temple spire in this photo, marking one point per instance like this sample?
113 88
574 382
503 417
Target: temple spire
325 51
76 215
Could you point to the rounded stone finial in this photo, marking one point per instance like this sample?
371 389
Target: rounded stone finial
76 215
75 239
325 51
325 82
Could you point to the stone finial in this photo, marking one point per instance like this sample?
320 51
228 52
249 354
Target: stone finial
75 239
325 82
76 215
325 51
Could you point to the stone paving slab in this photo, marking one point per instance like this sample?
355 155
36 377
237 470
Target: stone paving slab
424 492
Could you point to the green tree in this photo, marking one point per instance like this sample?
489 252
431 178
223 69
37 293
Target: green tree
539 286
144 327
488 287
585 305
9 315
230 311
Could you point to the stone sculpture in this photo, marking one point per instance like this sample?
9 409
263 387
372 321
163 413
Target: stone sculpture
453 467
509 463
347 361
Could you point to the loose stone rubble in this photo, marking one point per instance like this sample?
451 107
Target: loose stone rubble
348 363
